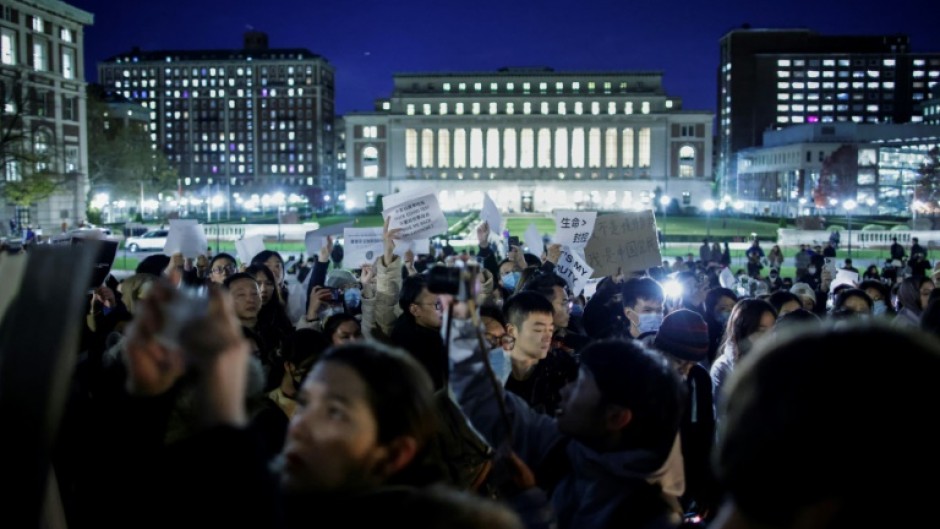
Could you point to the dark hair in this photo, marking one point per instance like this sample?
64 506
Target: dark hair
909 293
221 255
237 277
781 297
797 318
153 265
256 269
411 288
844 296
637 288
304 347
630 375
398 387
792 408
489 310
545 283
744 321
519 306
714 296
264 255
333 322
879 286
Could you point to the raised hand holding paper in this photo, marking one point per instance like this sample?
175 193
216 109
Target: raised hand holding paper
574 228
490 214
249 247
186 236
418 214
533 240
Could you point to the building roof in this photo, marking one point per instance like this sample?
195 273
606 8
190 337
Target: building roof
138 56
538 71
63 9
850 133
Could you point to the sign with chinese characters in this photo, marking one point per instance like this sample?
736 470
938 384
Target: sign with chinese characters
419 215
573 228
187 237
361 246
623 241
574 270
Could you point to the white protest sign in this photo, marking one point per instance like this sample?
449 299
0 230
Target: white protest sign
187 237
625 241
572 268
249 247
361 246
845 277
490 214
422 247
726 278
573 228
419 215
313 241
533 240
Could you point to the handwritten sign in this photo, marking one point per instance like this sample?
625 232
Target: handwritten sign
574 228
187 237
623 240
419 215
533 240
249 247
490 214
361 246
574 270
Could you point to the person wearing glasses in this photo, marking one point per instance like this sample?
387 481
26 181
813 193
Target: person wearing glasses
221 266
418 328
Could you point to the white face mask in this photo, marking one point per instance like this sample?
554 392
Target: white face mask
650 322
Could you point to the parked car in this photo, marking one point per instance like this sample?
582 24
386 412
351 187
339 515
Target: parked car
152 240
87 232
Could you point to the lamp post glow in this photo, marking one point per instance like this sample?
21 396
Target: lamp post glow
664 202
849 205
708 206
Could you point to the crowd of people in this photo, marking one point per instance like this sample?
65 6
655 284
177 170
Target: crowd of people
478 390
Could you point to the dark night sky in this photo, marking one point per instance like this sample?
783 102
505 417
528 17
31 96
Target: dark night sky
368 40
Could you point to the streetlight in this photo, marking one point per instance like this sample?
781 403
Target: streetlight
708 206
849 205
664 202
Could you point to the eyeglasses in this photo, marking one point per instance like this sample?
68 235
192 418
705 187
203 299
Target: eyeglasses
228 269
437 305
497 341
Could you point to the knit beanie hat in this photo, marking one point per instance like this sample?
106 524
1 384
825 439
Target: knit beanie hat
684 335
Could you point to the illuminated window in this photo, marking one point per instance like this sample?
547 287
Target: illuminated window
460 148
545 148
559 87
606 87
594 149
644 147
543 87
527 108
510 108
562 108
447 87
40 55
492 108
458 108
7 46
610 148
493 88
462 87
575 87
591 87
783 73
645 107
611 108
411 148
442 109
475 108
527 149
579 108
426 109
510 87
627 147
477 87
476 148
66 35
526 88
544 107
783 86
509 148
561 148
492 148
443 148
37 24
783 96
410 110
628 107
370 162
595 108
783 62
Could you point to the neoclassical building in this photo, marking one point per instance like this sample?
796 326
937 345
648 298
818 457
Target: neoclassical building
533 138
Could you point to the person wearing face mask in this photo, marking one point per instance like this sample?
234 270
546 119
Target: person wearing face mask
643 305
880 295
750 320
719 303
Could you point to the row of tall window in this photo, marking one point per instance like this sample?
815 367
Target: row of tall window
40 52
511 107
543 87
528 148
